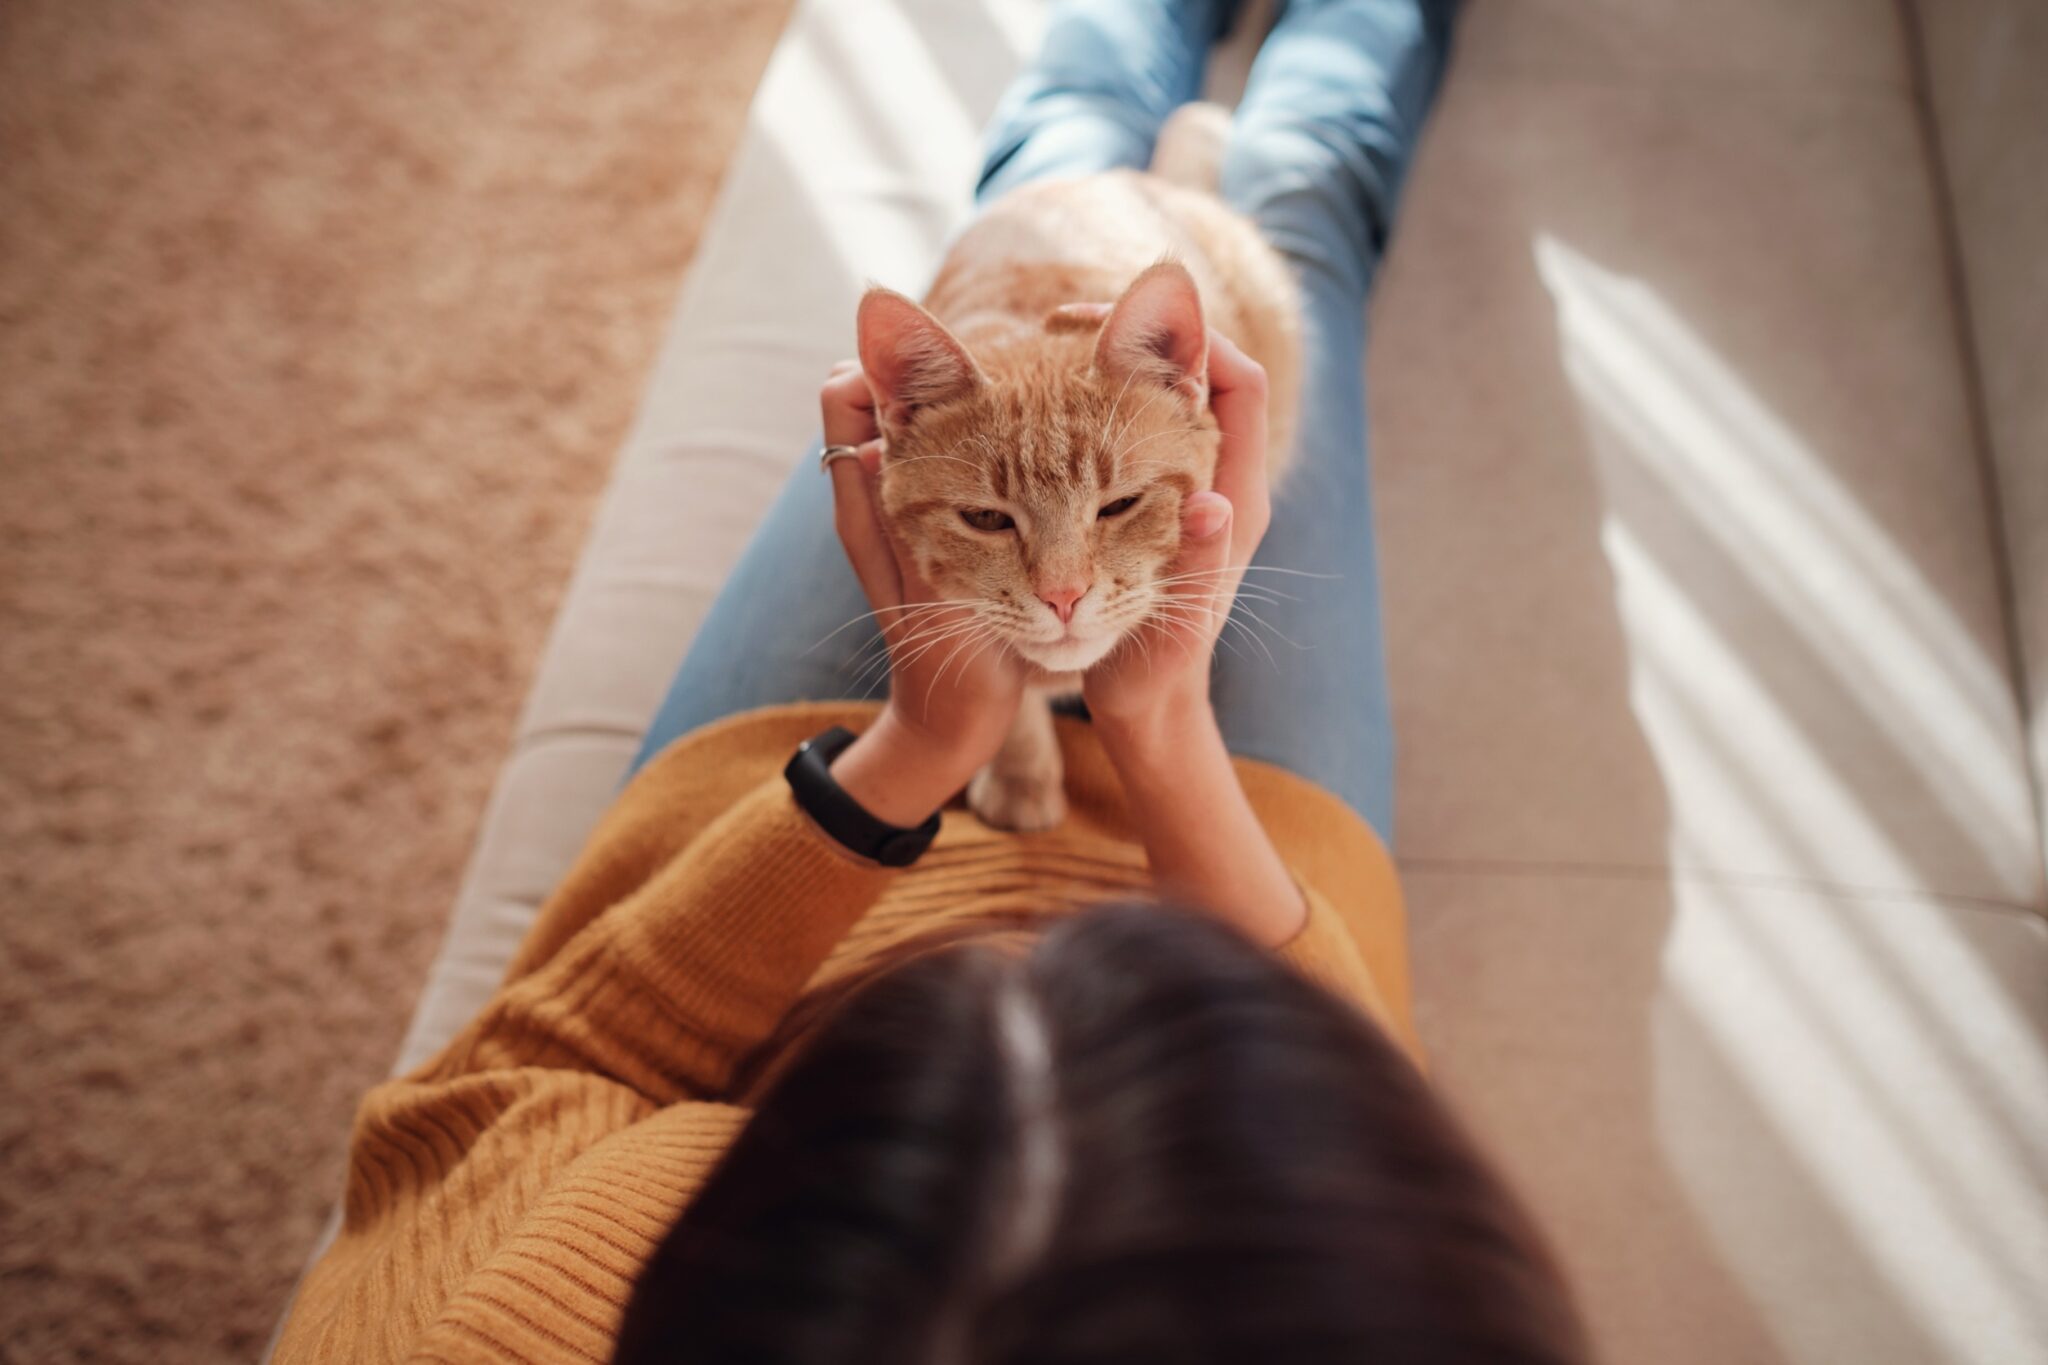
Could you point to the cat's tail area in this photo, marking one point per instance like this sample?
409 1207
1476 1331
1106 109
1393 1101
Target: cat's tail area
1190 146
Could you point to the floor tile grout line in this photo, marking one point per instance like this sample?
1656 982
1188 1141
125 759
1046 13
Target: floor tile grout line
1647 872
1869 89
1948 232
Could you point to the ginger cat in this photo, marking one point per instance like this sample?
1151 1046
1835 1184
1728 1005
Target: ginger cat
1035 462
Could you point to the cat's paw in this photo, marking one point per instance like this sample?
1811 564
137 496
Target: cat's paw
1024 802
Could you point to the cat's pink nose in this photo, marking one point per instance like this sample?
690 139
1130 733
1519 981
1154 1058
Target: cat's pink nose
1062 600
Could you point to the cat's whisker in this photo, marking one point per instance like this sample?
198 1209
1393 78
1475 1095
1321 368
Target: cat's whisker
1206 603
1297 573
1141 636
907 608
926 646
974 644
1192 575
1258 592
1224 594
975 622
977 641
989 454
1246 569
1268 625
1232 619
871 672
1181 610
865 655
1232 623
909 650
904 648
1186 593
1143 408
1155 464
1114 404
919 459
1218 572
1175 630
1172 431
1199 630
911 647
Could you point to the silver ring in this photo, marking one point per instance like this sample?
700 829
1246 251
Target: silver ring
831 453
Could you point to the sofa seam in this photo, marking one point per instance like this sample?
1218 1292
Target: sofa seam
1536 868
1962 318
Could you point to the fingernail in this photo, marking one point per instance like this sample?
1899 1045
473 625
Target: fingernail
1207 514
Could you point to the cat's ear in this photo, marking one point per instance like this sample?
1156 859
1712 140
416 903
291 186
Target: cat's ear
911 360
1155 334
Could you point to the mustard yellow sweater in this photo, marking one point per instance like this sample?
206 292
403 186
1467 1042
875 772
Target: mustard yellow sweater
501 1199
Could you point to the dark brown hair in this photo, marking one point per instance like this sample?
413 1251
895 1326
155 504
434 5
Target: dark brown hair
1143 1139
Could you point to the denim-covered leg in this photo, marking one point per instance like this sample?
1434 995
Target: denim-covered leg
769 636
1317 153
1105 79
1328 124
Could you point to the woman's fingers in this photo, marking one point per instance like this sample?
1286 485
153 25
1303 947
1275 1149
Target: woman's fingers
1205 552
913 588
859 523
1230 369
1202 516
1237 395
848 406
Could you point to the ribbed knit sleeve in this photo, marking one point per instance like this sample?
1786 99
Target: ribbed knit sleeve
1326 953
667 990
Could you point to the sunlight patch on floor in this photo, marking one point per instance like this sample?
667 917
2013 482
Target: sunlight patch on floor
897 171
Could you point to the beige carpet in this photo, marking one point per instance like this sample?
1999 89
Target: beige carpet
318 325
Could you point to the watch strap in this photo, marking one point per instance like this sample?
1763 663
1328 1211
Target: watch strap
820 796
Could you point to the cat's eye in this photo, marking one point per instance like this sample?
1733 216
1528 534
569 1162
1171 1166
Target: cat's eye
986 519
1119 507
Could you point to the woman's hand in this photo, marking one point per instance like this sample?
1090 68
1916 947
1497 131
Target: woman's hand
1150 698
1162 671
952 691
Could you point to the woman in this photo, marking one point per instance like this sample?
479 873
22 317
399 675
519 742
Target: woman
779 1077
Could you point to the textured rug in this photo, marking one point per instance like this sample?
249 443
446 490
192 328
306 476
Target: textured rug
318 325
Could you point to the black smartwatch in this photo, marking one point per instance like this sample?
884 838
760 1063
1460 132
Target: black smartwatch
839 815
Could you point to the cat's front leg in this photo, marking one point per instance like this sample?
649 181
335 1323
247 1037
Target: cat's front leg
1023 786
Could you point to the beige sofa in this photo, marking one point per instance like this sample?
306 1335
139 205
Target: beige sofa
1716 809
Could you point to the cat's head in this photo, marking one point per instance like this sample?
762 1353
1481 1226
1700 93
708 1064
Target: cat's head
1041 479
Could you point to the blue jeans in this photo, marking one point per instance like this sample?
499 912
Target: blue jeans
1316 156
